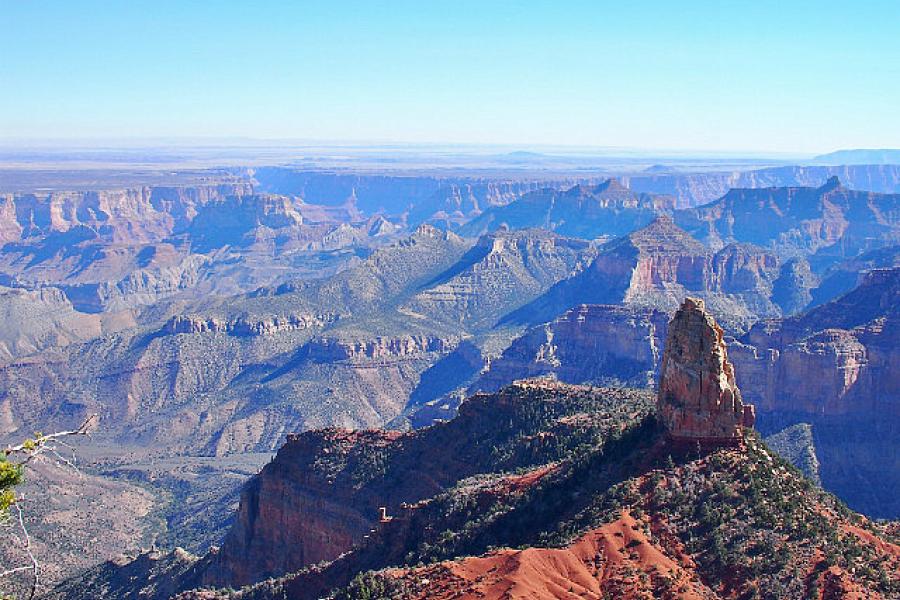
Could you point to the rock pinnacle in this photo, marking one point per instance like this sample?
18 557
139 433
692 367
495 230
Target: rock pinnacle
698 397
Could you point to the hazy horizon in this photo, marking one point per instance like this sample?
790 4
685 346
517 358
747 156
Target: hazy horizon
701 77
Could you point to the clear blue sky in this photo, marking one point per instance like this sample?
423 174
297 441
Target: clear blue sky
789 76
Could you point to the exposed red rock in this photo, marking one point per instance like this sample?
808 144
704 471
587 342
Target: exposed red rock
323 492
295 513
698 397
660 264
617 559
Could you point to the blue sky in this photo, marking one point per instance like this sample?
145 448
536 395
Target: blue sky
764 76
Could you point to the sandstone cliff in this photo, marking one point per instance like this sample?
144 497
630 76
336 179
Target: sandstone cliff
695 189
829 221
851 342
320 496
601 344
131 215
421 197
837 368
698 399
659 265
833 369
502 271
602 505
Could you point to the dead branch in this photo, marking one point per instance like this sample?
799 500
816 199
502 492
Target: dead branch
42 443
31 449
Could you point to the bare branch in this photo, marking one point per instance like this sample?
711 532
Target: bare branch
35 447
24 542
50 444
8 572
35 566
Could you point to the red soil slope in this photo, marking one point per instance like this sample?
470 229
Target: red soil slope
617 558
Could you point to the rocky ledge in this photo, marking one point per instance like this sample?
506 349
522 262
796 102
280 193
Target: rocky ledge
245 327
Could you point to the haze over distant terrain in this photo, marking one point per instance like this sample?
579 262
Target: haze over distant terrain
450 300
207 313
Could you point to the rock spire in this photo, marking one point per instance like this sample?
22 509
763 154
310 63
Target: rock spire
698 397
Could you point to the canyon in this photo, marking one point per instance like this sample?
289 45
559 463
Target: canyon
358 512
280 309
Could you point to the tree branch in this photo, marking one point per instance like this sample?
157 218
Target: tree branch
32 448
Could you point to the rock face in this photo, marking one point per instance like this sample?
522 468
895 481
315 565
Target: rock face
838 359
831 221
694 189
452 200
608 209
539 491
602 344
321 494
837 369
34 320
698 397
246 327
658 266
330 350
503 270
123 216
297 512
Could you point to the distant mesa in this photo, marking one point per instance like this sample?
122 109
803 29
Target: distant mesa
523 154
699 400
881 156
660 169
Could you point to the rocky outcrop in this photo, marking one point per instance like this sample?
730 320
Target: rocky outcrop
333 350
124 216
35 320
605 210
841 358
321 494
294 513
698 397
421 197
245 221
593 343
243 326
695 189
504 270
658 266
837 369
625 515
829 221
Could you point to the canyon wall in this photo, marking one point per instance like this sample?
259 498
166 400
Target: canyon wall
694 189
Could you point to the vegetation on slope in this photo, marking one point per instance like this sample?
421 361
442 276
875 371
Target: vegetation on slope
736 522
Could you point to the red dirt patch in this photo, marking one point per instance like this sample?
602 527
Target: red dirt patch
869 538
617 559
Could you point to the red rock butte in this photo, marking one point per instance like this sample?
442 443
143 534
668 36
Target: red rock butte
699 400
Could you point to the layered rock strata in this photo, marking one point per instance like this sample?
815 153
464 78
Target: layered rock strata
602 344
698 397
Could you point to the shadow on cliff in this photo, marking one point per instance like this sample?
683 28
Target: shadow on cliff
472 257
447 374
558 506
583 288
